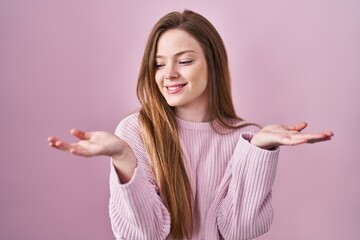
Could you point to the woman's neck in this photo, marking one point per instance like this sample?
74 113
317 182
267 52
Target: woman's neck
192 115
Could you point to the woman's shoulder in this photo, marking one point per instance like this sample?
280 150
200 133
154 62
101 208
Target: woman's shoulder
128 123
249 127
239 126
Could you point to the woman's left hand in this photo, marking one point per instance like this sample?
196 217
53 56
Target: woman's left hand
273 136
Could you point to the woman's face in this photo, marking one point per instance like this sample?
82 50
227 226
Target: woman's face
181 71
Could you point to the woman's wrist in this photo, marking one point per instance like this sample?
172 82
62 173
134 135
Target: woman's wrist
125 164
260 144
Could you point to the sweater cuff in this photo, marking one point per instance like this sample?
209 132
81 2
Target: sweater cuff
138 203
257 156
133 191
248 136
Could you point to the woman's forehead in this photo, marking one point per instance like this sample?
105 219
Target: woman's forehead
175 42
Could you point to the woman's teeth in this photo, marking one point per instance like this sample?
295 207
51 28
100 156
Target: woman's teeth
176 87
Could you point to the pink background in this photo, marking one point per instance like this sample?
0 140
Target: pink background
67 64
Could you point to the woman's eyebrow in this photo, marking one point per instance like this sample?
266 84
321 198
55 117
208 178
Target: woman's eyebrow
177 54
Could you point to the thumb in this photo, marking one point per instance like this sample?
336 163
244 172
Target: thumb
80 134
297 127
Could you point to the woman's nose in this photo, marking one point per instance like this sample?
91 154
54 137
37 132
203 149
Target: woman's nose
171 73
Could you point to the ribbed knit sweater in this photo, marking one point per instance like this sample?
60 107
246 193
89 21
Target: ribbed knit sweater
231 180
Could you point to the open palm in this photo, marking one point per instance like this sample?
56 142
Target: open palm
275 135
90 144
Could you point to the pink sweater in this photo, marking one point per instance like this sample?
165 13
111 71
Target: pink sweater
231 181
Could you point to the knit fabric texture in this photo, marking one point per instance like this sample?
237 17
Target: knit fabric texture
231 180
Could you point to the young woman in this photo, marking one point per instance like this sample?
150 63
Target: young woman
186 166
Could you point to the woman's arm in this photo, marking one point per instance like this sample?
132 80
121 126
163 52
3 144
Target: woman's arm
135 207
246 211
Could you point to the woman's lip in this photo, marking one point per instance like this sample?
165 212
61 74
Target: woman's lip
175 85
175 88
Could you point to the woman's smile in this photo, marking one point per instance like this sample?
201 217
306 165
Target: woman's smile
175 88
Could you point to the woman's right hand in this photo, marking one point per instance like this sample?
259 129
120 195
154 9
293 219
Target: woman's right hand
99 143
91 144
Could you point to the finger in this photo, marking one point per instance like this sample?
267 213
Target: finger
293 142
61 145
52 141
79 150
307 135
50 138
296 127
329 133
80 134
323 135
319 140
312 138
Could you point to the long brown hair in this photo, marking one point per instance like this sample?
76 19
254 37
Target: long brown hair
158 122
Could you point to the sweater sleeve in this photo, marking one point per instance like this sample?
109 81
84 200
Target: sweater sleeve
245 211
135 208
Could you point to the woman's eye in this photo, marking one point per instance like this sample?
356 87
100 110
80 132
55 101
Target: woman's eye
158 65
185 62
